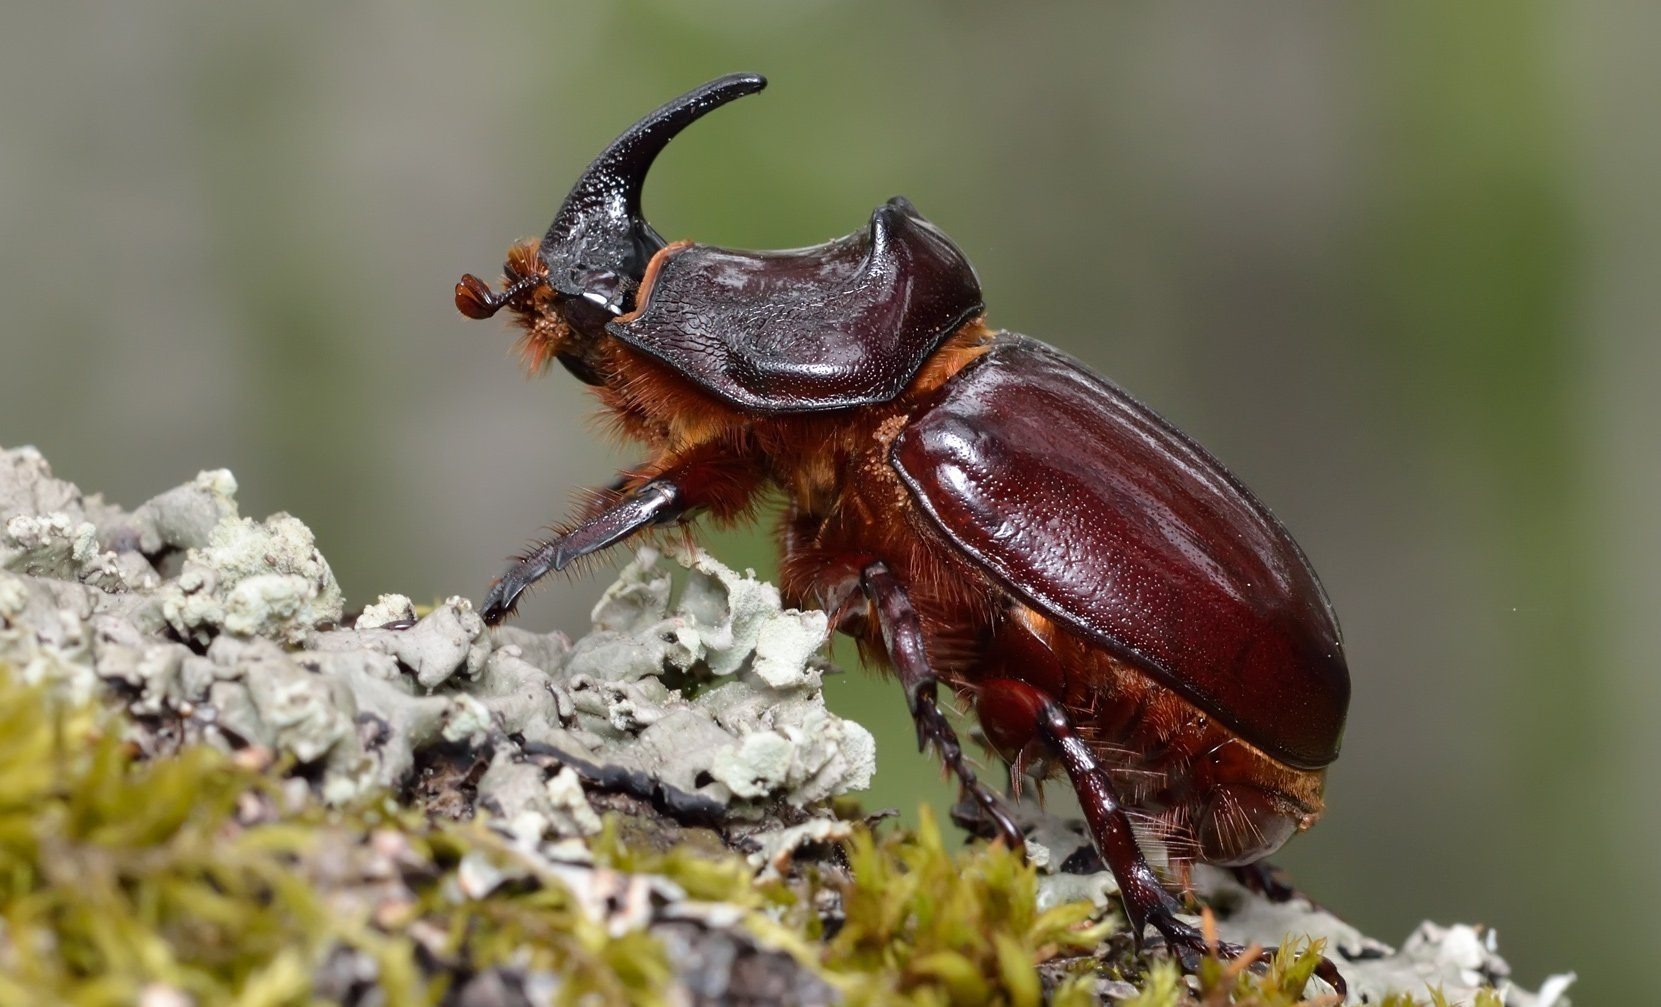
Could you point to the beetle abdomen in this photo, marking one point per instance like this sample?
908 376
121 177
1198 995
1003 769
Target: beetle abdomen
1098 512
842 324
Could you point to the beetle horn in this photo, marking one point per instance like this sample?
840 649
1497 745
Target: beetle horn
599 244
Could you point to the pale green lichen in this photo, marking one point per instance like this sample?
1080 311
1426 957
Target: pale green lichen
183 517
672 686
749 626
232 626
388 608
530 804
263 578
49 529
45 632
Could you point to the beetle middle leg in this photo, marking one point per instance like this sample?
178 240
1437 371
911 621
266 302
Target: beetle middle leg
1146 901
902 632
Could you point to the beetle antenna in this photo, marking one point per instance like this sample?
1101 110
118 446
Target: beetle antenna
475 299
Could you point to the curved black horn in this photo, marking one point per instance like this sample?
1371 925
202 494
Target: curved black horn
599 239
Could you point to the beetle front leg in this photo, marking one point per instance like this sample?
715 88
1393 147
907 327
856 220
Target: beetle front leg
902 632
713 479
657 502
1146 900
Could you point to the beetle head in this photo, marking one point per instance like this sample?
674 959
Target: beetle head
589 265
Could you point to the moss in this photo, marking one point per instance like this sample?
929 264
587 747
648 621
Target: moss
926 926
1280 983
193 874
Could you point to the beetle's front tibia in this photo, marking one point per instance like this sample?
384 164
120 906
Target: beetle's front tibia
902 632
657 502
719 483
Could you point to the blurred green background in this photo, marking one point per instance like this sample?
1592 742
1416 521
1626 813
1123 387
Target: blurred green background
1398 265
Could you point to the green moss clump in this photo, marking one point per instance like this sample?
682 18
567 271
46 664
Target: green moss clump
1280 983
925 926
119 876
920 925
1222 983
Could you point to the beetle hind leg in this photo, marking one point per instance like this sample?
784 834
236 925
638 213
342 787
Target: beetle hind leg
1146 901
902 631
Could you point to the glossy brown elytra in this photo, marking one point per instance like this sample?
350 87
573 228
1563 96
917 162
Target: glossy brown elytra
972 505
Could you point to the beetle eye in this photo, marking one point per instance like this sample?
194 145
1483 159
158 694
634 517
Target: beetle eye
1242 824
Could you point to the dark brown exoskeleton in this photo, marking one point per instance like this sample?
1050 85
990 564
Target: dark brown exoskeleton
970 504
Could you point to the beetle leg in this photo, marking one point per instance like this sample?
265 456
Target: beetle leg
1146 900
656 502
1268 881
902 632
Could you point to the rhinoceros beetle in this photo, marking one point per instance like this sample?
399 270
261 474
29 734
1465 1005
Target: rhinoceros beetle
972 505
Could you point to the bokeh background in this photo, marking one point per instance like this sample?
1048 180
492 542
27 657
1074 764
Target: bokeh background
1398 264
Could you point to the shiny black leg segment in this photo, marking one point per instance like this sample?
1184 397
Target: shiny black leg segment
903 634
1267 880
657 502
1146 900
